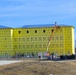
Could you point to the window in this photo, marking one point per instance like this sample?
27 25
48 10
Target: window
15 46
19 39
61 30
57 45
48 38
44 45
40 38
5 39
44 38
31 46
27 31
27 46
44 31
52 38
15 39
27 39
23 46
56 38
40 46
61 45
19 46
61 37
32 39
35 38
36 46
23 39
19 32
52 45
35 31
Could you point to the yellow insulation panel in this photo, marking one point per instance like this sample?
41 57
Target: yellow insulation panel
33 40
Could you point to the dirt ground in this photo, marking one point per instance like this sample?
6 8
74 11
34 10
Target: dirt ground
34 67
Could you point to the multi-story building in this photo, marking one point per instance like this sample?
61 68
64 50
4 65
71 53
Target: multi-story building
5 41
29 40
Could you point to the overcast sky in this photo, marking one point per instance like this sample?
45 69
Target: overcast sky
16 13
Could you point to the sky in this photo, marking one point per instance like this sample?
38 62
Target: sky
17 13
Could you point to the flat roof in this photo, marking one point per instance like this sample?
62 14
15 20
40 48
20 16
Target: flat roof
44 25
39 26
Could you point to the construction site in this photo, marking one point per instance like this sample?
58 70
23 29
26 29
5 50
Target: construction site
37 50
37 40
34 67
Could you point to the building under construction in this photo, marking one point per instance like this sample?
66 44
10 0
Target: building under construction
30 40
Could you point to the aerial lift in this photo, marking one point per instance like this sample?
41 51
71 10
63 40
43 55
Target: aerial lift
47 54
50 39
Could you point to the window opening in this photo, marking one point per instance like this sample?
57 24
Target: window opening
19 32
35 31
27 31
44 31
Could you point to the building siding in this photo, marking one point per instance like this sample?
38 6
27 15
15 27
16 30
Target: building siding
30 41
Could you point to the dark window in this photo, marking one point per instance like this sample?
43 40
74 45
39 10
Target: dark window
27 31
44 31
35 31
19 32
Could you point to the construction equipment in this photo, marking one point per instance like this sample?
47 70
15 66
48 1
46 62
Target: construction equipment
47 54
50 39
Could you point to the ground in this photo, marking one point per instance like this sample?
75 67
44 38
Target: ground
34 67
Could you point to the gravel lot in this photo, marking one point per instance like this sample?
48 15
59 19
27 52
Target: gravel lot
34 67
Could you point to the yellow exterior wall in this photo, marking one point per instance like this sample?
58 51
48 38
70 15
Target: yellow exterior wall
5 42
73 43
33 40
69 40
27 43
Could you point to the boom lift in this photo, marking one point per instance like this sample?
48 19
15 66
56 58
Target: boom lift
55 28
50 39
